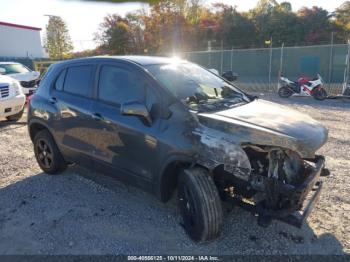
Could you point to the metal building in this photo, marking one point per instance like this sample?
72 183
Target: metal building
20 41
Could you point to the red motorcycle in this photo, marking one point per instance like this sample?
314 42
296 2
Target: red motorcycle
303 86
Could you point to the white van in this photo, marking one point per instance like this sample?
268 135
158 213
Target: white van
26 77
12 99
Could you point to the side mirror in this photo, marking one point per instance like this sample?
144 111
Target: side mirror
230 76
2 71
135 108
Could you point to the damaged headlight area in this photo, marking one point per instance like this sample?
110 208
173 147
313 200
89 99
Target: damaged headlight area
275 184
277 164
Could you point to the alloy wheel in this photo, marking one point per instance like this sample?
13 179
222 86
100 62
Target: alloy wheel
44 152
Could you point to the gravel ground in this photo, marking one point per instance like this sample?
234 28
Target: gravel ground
81 212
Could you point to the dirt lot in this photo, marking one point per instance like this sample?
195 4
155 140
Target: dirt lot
81 212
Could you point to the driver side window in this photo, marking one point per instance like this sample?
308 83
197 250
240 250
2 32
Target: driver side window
118 85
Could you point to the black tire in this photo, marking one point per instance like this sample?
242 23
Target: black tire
47 153
15 117
285 92
320 94
347 91
200 204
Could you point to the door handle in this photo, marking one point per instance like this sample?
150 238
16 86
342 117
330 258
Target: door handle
53 100
97 116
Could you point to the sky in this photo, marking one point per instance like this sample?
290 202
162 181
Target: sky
83 18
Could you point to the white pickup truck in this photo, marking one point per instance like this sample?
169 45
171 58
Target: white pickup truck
12 99
27 78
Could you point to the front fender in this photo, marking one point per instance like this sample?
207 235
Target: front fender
217 148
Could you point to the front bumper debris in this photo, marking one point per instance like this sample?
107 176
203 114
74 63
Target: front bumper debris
296 196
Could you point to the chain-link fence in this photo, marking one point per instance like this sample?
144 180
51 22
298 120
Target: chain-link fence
259 69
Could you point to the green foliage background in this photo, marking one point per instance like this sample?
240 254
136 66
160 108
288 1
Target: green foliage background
188 25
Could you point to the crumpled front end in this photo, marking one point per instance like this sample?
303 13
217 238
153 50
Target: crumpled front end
265 123
281 181
271 181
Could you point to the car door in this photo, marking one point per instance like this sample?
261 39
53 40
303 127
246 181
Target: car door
71 94
125 142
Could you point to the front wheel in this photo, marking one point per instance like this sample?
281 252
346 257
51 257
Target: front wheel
200 204
320 94
285 92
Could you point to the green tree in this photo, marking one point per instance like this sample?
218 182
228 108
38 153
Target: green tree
234 28
205 30
316 25
136 33
166 27
276 21
114 35
57 41
342 15
183 25
286 7
194 10
265 7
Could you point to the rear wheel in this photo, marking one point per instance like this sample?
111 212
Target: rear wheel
285 92
15 117
320 94
347 91
47 153
200 204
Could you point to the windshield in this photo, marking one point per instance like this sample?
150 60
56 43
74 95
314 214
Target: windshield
194 85
14 68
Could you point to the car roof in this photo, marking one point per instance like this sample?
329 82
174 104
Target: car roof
140 60
147 60
8 63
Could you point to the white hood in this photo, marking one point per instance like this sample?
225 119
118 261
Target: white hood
29 76
5 80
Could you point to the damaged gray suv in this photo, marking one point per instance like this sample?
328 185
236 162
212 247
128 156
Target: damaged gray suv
167 125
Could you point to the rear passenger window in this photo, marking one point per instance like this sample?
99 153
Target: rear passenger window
119 85
78 80
60 81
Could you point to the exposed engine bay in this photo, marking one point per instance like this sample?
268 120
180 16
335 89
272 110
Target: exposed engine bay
282 166
271 183
285 166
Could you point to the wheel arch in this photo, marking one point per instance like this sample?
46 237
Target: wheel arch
167 178
36 126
